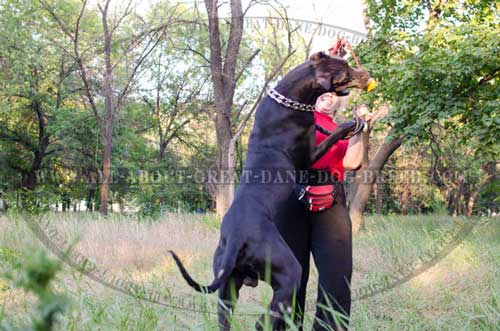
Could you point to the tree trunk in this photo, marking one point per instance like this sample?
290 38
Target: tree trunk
223 198
109 114
404 202
224 83
157 111
225 187
454 204
471 202
163 150
29 178
379 198
91 189
365 179
490 175
121 204
106 170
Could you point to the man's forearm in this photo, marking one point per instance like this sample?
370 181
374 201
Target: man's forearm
354 154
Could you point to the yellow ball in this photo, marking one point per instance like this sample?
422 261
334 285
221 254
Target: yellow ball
372 84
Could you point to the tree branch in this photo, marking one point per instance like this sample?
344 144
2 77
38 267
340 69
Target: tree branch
273 74
75 40
131 77
126 12
234 43
215 43
247 63
56 18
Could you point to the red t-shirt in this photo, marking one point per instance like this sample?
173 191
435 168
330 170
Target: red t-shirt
333 159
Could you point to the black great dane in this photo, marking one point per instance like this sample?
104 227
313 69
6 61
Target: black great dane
282 140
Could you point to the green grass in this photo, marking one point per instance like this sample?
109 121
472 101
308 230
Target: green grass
460 292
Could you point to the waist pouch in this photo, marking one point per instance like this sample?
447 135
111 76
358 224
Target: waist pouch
317 198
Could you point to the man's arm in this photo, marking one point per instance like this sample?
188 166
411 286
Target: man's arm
355 150
354 154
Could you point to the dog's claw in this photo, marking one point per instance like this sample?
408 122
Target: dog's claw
252 282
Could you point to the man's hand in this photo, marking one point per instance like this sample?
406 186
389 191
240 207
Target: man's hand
364 113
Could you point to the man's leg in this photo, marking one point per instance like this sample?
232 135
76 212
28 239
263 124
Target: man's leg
331 243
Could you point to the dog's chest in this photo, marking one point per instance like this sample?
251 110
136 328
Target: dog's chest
283 131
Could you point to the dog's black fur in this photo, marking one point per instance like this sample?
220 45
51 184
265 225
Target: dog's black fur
282 139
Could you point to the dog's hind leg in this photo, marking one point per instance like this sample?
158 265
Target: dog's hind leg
228 295
281 306
285 282
285 288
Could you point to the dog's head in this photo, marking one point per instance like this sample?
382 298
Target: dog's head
333 74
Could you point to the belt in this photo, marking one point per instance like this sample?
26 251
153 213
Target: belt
317 198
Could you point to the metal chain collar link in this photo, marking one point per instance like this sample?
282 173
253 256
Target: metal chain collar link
289 103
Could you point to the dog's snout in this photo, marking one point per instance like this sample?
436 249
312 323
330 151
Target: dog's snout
362 79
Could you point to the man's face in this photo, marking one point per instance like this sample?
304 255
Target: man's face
327 103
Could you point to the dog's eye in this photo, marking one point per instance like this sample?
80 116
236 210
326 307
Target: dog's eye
346 80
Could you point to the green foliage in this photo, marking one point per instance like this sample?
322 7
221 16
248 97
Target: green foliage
438 64
439 73
464 285
487 314
444 75
35 275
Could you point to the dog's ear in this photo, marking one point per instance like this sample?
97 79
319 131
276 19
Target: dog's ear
324 81
316 57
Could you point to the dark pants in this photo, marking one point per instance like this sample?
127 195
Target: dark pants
328 236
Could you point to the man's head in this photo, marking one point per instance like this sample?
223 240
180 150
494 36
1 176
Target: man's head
328 103
334 74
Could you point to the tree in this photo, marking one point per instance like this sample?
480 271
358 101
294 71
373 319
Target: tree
223 72
433 76
177 97
227 68
120 55
34 87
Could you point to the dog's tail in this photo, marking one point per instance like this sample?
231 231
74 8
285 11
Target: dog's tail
228 264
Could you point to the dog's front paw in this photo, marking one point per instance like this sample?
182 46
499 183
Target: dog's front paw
347 128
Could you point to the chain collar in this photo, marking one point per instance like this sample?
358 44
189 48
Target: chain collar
289 103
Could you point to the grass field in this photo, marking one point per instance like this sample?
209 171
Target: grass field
460 292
